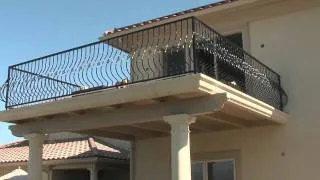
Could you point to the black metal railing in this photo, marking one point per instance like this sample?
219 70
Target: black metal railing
176 48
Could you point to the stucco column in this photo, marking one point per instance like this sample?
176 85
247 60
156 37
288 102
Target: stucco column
93 173
50 174
35 156
180 146
132 160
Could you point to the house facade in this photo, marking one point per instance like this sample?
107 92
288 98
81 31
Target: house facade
251 111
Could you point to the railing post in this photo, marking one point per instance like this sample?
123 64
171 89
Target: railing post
280 93
194 56
215 60
8 86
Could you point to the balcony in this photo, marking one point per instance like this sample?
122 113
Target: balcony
178 48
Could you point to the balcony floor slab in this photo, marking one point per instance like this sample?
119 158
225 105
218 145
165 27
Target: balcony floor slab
136 111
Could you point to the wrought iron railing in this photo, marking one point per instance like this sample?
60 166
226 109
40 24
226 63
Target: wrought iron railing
176 48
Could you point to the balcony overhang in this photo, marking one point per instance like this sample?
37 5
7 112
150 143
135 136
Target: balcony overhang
222 15
136 110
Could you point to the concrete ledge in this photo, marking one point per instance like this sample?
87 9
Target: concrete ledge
133 92
182 88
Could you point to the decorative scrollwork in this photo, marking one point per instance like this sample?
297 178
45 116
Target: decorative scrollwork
179 47
3 91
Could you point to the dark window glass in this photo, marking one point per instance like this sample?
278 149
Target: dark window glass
71 174
174 61
197 171
236 39
228 72
206 61
223 170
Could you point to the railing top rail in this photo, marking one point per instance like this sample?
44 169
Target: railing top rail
133 57
120 35
236 45
56 53
101 41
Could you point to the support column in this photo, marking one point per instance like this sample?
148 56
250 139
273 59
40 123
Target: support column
35 156
50 174
132 160
180 146
93 173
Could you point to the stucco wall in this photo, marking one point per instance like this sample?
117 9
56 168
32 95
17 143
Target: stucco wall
291 47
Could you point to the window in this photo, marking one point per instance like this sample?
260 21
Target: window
236 39
213 170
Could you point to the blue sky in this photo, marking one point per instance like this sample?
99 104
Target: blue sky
33 28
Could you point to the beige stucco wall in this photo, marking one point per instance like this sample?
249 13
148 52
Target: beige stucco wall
287 152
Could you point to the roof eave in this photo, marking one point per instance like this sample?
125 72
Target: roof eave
222 7
89 160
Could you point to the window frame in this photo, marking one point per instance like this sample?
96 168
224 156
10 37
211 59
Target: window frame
244 30
206 162
221 156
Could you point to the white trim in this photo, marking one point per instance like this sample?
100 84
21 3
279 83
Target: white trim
205 170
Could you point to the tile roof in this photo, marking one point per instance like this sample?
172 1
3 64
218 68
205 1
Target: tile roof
169 16
78 148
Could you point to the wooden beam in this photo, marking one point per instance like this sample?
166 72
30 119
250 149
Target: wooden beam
226 119
204 126
188 95
42 118
107 108
76 113
123 116
154 126
146 102
167 98
196 126
136 132
102 133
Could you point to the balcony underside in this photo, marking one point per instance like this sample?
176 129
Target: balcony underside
136 110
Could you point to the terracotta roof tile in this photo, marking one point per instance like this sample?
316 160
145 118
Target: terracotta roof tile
168 16
78 148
